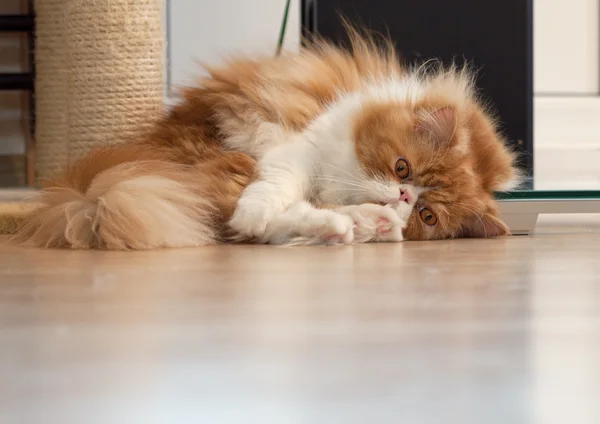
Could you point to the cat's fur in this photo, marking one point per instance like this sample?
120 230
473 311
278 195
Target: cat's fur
299 149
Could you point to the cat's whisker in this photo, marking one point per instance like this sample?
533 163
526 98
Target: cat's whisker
323 189
350 177
353 188
444 222
446 152
344 181
437 158
369 173
331 165
477 212
338 199
348 190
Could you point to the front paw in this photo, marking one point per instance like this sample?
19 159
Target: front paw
374 223
251 217
329 228
304 225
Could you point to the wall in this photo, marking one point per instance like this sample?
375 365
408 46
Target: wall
208 31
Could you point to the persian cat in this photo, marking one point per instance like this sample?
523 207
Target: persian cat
326 146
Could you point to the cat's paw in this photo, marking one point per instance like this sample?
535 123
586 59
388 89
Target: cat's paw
312 227
251 217
374 223
329 228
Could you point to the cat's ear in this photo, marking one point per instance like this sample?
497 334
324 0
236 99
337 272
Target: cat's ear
485 226
439 125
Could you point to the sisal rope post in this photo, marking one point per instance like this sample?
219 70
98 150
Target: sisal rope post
99 78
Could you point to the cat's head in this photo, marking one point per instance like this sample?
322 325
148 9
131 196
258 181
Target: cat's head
426 146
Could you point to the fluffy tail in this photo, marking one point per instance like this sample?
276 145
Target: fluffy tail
110 201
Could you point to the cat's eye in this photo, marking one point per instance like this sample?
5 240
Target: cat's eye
428 217
402 169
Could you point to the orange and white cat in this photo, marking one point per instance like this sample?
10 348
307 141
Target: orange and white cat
322 147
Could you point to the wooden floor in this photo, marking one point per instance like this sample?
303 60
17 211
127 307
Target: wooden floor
466 332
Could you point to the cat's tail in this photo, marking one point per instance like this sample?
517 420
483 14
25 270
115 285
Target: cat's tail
121 198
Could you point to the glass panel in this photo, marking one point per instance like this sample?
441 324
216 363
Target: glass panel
565 191
567 131
549 195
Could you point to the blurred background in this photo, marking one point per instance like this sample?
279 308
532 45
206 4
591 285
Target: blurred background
566 73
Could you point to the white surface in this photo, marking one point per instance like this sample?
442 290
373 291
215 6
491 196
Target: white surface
567 168
565 121
566 46
521 216
521 207
209 31
567 143
521 224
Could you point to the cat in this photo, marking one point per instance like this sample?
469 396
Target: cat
326 146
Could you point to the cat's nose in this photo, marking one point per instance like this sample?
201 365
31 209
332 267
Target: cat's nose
405 196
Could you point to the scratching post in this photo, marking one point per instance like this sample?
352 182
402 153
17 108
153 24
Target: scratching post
99 75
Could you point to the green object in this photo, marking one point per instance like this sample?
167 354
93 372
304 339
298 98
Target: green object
286 13
548 195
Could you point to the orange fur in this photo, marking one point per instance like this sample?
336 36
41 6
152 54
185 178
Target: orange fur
178 184
123 198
